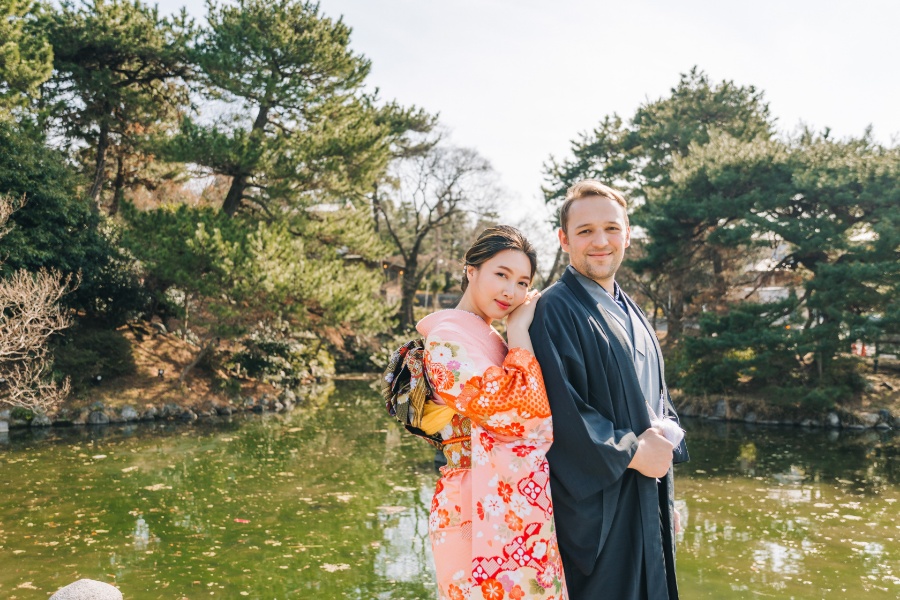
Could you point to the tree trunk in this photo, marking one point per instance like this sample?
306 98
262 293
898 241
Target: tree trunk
239 182
558 266
408 285
375 206
118 186
204 351
675 311
100 168
235 195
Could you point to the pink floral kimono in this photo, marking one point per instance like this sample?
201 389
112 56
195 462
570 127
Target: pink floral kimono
491 526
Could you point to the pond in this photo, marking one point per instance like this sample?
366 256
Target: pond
331 501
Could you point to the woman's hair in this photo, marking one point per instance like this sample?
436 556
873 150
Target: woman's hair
494 240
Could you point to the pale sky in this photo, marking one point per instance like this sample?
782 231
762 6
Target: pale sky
517 80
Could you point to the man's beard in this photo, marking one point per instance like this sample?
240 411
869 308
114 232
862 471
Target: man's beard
597 272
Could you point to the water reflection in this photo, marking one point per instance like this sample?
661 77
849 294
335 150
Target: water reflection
332 502
788 513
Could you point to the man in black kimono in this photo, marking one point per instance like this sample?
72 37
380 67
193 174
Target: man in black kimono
610 469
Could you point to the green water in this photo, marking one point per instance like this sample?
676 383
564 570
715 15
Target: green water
332 502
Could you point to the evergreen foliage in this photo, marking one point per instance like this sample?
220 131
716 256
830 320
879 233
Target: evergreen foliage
726 208
55 229
26 57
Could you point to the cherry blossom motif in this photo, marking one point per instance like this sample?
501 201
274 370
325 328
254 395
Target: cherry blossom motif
514 521
493 505
516 429
519 505
492 387
492 590
523 450
505 490
486 440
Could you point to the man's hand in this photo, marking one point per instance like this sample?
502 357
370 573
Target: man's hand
654 454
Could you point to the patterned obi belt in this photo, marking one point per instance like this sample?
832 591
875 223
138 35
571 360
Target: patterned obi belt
457 444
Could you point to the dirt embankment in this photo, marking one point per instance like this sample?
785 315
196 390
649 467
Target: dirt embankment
160 357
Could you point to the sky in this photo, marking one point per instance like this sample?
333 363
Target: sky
518 80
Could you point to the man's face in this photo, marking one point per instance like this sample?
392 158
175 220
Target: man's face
596 238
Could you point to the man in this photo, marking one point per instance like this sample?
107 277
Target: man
610 469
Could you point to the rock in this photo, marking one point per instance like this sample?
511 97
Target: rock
897 422
258 408
750 417
885 416
279 406
88 589
859 426
806 423
4 414
224 410
97 417
288 396
720 411
882 425
151 413
63 416
686 411
129 414
868 419
188 415
41 420
832 420
170 410
738 412
4 427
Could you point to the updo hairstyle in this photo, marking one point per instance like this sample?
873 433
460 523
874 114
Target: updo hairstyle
491 242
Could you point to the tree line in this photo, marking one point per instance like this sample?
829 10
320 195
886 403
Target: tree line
765 254
240 179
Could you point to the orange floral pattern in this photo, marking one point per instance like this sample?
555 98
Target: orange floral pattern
491 527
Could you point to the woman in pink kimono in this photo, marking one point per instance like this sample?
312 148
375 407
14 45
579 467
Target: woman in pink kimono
491 526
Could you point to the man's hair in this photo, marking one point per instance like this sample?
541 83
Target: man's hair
493 241
588 188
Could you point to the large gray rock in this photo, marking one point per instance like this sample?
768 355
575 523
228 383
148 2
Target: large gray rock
129 414
97 417
832 420
721 409
869 419
88 589
4 427
41 420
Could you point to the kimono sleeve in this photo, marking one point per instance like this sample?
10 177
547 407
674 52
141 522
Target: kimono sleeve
508 400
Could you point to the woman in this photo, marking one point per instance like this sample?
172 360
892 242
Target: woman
491 525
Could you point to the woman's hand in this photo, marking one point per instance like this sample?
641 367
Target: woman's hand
519 320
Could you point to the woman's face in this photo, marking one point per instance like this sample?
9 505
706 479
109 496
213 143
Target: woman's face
499 285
